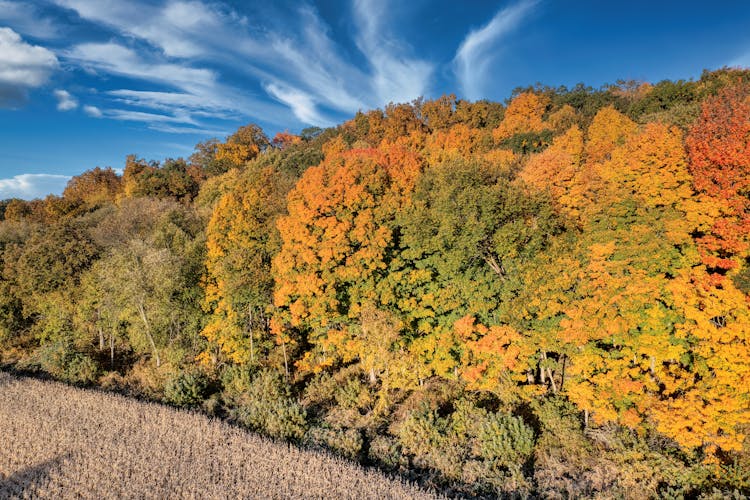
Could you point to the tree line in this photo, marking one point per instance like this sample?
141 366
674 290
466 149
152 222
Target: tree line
501 296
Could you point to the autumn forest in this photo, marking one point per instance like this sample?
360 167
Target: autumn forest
548 296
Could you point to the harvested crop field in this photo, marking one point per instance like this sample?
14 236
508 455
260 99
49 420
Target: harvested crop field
57 441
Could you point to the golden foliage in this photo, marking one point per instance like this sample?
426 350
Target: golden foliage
524 114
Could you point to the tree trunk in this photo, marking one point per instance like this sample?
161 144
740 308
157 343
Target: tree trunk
373 377
496 267
147 326
250 328
552 380
286 363
99 328
112 349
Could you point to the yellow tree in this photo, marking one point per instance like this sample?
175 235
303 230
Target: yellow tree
524 115
620 327
242 146
241 240
710 406
608 130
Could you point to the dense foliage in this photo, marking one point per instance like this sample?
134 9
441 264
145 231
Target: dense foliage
549 296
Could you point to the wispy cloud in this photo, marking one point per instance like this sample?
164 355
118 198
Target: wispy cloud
22 67
65 101
198 90
313 62
297 64
474 55
183 29
203 132
302 104
113 58
25 18
30 186
397 77
140 116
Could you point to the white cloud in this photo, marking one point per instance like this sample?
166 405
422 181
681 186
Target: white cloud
313 63
119 60
308 72
198 31
25 18
65 101
140 116
397 77
474 55
92 111
199 93
205 105
183 29
30 186
171 129
302 104
22 67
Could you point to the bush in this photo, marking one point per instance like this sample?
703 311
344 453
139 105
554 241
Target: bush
505 440
186 388
60 360
266 404
81 369
471 445
422 433
320 391
353 394
387 451
347 442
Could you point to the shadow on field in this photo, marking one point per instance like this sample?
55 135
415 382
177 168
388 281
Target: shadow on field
18 483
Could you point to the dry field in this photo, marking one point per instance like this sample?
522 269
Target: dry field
61 442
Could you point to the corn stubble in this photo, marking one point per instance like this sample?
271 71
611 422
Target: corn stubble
61 442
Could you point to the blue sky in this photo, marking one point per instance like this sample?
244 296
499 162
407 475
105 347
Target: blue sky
83 83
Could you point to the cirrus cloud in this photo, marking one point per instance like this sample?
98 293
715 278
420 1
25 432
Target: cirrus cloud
475 54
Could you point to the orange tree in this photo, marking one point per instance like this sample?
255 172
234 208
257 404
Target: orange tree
337 243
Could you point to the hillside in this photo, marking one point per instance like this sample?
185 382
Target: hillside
547 296
60 442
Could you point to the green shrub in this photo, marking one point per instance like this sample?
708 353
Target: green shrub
320 391
81 369
471 445
60 360
266 405
505 440
422 433
347 442
387 451
187 388
354 394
